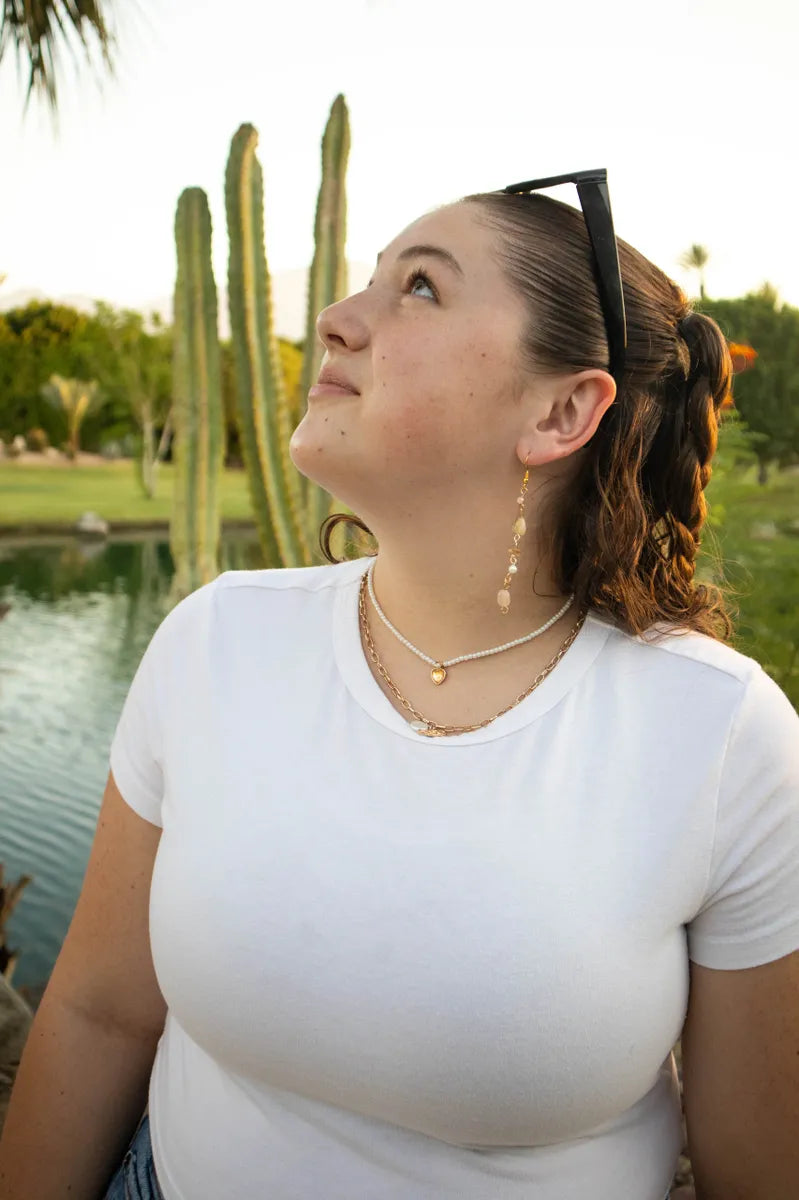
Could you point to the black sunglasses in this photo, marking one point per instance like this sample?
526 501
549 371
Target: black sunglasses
592 188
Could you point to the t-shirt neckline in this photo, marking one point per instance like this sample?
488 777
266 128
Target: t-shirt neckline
362 685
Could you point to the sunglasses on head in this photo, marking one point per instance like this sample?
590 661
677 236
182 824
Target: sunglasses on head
592 189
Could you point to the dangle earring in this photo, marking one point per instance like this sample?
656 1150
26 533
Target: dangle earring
519 529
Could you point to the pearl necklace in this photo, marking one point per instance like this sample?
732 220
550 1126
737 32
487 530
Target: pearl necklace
439 672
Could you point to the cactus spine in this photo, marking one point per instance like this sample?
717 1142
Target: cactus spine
327 280
199 425
261 401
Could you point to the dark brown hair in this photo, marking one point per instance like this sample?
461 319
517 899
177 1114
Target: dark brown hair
624 535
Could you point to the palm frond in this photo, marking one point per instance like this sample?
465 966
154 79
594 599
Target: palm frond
695 258
38 29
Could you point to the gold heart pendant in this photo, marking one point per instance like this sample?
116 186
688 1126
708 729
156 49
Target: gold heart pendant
438 674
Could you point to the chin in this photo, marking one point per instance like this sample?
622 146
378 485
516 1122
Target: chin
306 451
314 460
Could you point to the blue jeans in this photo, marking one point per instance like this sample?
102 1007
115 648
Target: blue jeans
135 1178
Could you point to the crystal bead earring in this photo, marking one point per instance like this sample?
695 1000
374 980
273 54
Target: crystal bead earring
519 529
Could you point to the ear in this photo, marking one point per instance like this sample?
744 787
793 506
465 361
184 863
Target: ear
566 415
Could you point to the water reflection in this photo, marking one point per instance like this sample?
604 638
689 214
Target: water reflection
48 568
79 617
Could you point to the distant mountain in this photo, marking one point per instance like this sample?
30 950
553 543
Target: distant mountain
289 297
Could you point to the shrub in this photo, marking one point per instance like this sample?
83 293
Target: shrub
37 440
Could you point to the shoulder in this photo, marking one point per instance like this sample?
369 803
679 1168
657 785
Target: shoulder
290 579
680 653
701 673
257 600
217 597
269 607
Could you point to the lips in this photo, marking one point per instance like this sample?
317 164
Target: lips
337 378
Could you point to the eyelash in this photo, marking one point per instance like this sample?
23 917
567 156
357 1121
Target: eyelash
415 276
418 275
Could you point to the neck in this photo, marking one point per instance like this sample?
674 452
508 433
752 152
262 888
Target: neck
445 602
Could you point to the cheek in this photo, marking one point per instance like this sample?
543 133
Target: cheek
412 396
414 427
434 400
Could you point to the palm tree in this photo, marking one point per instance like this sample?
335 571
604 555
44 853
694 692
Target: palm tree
77 398
144 361
696 259
39 29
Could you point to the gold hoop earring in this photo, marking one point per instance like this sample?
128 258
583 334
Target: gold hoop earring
519 529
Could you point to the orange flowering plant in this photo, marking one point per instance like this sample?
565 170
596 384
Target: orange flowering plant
742 358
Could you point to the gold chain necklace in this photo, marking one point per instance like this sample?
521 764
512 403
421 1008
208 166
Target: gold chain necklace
422 724
439 671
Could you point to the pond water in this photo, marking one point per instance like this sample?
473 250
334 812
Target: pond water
80 617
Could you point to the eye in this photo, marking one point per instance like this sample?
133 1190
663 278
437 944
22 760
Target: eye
416 276
419 276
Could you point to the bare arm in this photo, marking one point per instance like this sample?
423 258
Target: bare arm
83 1078
80 1091
741 1081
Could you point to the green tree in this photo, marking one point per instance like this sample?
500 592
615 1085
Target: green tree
43 339
39 30
767 394
37 341
696 258
75 398
735 453
142 369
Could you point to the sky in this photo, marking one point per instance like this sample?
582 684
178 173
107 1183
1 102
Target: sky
692 106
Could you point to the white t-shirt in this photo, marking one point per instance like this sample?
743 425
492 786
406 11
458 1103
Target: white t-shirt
401 968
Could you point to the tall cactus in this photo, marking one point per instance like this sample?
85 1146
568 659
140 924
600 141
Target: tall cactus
262 404
327 281
288 509
199 424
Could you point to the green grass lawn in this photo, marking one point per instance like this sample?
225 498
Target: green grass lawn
31 495
762 573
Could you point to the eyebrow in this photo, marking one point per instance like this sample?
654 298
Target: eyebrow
433 252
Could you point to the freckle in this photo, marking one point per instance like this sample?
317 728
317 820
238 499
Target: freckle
482 353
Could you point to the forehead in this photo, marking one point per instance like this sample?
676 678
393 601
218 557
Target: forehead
454 228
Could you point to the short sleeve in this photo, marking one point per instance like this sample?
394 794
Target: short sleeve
136 748
750 911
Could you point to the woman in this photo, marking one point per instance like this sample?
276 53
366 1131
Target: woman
429 910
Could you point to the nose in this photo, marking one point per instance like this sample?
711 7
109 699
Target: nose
341 324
